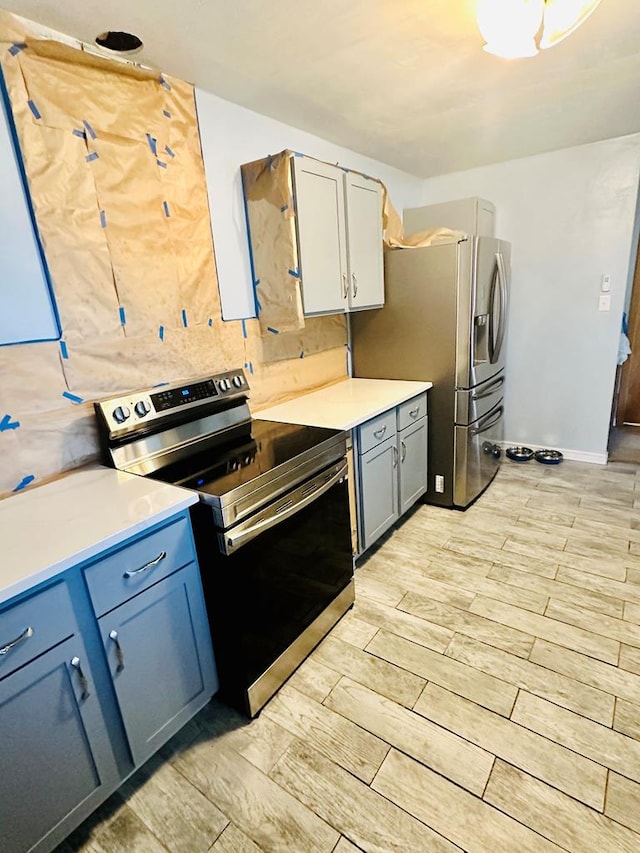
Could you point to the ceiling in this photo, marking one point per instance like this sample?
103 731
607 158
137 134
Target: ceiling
403 82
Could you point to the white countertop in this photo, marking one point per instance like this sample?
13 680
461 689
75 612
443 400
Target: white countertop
50 528
345 404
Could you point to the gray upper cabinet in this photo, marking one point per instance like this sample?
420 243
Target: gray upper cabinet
339 222
26 305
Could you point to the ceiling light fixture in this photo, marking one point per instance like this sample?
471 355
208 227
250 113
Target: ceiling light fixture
514 29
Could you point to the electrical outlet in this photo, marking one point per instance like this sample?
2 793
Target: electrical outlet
439 483
604 302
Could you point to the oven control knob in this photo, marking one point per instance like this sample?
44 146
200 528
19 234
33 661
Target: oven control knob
142 408
224 384
120 414
237 381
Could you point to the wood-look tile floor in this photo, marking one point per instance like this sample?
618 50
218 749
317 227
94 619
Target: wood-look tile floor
482 695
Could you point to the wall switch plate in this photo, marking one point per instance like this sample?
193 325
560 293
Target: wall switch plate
439 483
605 287
604 302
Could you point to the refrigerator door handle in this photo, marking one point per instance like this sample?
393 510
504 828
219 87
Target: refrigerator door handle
496 342
490 389
491 421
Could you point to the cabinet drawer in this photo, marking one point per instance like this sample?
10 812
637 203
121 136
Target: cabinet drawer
35 625
412 411
377 430
138 565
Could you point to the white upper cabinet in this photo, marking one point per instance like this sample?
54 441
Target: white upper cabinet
26 308
339 221
364 241
322 235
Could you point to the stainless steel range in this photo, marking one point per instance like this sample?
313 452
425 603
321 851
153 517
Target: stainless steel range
272 525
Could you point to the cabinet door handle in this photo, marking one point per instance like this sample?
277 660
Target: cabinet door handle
113 635
146 566
84 684
413 413
355 284
395 456
404 450
378 433
28 632
345 286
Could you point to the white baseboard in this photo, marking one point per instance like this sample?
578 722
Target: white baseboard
573 455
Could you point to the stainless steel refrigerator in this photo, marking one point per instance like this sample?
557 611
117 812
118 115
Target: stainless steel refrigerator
445 320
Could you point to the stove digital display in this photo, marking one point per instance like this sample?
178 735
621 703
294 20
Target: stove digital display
176 397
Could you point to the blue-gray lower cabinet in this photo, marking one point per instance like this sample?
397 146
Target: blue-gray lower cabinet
55 755
158 648
87 696
391 467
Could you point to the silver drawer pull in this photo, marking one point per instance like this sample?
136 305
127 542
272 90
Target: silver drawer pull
395 456
28 632
413 413
355 284
113 635
146 566
84 684
404 450
345 286
378 433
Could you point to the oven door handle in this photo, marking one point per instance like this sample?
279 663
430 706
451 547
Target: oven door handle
297 500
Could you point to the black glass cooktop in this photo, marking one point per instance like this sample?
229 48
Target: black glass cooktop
265 446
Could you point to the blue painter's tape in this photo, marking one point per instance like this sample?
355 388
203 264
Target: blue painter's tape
6 423
161 333
256 282
160 384
284 207
184 318
166 113
77 132
298 154
244 329
123 318
166 209
165 83
153 143
103 218
272 330
64 350
24 482
161 164
169 151
301 353
73 397
34 110
15 48
89 129
251 368
246 365
258 304
210 321
294 273
93 156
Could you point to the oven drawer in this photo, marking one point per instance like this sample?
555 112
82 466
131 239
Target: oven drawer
138 565
35 625
377 430
412 411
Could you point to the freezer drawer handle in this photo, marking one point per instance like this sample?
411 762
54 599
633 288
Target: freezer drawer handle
490 389
486 425
378 433
28 632
149 565
233 540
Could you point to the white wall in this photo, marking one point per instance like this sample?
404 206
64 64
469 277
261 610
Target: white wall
570 218
232 135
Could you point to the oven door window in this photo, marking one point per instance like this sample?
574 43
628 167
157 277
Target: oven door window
265 593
